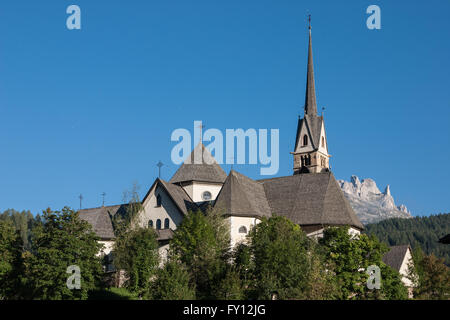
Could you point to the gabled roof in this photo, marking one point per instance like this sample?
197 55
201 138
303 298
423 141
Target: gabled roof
176 193
313 125
100 219
310 199
394 258
242 196
199 166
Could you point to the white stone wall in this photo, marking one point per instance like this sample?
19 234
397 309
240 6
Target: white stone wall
108 245
168 209
300 147
236 223
322 134
196 189
404 269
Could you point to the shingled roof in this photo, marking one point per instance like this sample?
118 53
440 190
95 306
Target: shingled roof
310 199
179 196
242 196
176 193
313 124
394 258
100 219
199 166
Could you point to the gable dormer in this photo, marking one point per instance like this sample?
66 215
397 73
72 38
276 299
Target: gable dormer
200 175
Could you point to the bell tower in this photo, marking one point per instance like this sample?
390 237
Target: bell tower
311 145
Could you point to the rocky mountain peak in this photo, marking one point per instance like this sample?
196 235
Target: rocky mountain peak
369 203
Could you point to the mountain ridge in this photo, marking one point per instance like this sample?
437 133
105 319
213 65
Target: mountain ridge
369 203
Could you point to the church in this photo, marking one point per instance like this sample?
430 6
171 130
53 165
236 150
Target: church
310 197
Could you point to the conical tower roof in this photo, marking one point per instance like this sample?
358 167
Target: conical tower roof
199 166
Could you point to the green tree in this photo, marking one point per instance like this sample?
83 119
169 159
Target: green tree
62 240
419 232
284 262
201 242
431 277
10 260
351 256
136 252
172 283
126 219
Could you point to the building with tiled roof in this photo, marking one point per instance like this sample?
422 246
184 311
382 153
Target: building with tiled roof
310 197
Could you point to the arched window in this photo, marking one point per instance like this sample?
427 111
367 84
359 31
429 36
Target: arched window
323 142
150 223
308 160
305 140
166 223
158 224
242 229
158 200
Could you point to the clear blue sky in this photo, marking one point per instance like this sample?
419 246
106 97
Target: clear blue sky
92 111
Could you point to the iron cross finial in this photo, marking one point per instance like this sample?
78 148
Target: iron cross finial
159 165
103 202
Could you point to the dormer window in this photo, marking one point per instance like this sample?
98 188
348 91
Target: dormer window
305 140
206 196
323 142
158 200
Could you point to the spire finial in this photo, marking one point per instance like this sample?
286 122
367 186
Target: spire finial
310 98
81 200
159 165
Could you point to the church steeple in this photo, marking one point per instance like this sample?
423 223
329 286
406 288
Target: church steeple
311 145
310 98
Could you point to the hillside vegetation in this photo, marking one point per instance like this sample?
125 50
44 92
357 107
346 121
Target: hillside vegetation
423 232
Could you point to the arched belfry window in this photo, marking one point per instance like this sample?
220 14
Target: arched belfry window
150 223
242 229
305 140
308 160
158 200
166 223
158 224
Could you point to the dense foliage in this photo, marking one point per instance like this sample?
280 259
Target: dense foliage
278 260
24 223
136 252
431 277
283 263
419 232
172 282
10 260
351 256
62 240
201 243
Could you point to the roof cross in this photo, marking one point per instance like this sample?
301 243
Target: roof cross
81 199
103 196
159 165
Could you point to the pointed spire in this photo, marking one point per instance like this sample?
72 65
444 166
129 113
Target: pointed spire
310 98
